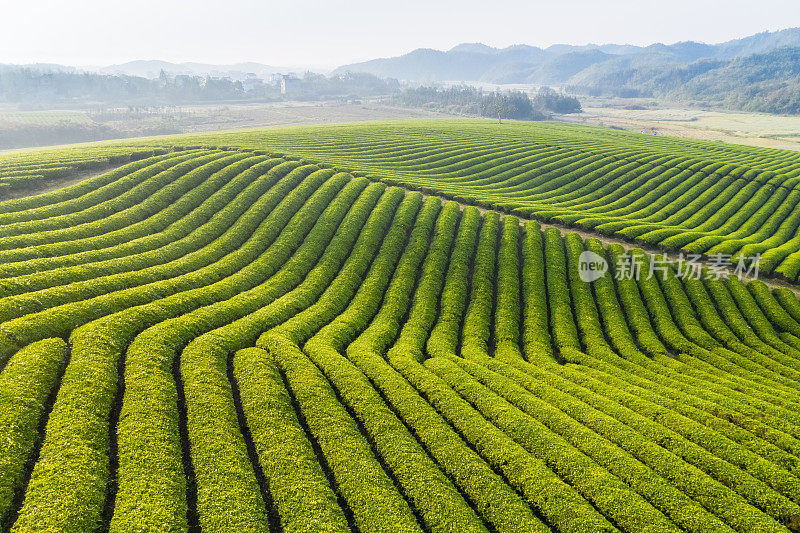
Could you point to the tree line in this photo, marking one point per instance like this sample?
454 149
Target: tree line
33 86
473 101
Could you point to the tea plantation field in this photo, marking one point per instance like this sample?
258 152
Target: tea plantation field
317 329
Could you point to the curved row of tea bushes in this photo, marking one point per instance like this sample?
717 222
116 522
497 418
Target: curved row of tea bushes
478 312
433 368
444 335
304 498
507 308
203 365
161 245
150 390
242 241
424 307
209 352
37 171
33 292
68 484
26 383
490 495
265 428
136 198
676 194
74 197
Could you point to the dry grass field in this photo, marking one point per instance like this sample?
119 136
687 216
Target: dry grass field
754 129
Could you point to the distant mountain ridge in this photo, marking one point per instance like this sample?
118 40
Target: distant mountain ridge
756 73
559 64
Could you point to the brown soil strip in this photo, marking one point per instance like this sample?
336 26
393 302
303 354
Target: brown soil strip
60 183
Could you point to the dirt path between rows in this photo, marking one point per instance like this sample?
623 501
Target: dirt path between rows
60 183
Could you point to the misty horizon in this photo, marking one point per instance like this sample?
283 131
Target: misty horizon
326 35
288 67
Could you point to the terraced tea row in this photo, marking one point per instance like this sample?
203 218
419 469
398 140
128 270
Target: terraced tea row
235 341
702 198
35 170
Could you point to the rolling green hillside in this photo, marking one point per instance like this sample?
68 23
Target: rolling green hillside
706 198
701 197
272 331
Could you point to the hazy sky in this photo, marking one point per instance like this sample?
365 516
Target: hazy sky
332 32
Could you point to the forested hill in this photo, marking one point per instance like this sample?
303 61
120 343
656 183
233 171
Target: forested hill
757 73
768 82
764 82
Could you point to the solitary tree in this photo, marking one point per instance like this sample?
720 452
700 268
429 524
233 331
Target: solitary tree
500 108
